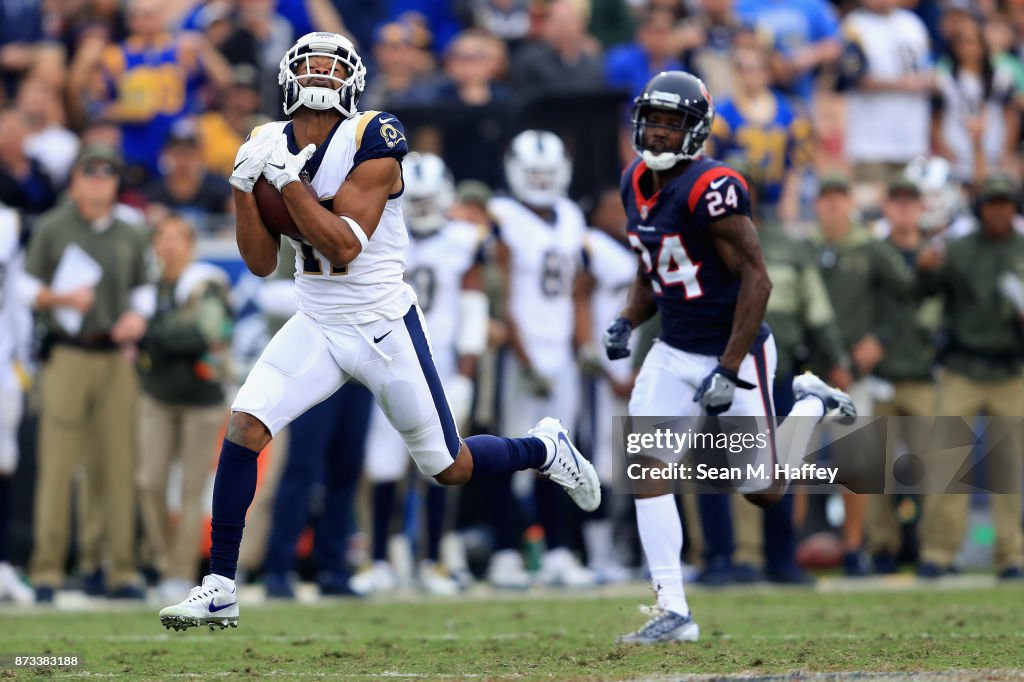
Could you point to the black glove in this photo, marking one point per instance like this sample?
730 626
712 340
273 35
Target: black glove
616 339
716 391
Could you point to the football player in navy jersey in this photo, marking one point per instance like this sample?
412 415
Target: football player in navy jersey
701 267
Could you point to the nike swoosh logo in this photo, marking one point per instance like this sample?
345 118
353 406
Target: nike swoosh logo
572 450
215 609
382 120
274 165
238 164
719 182
378 339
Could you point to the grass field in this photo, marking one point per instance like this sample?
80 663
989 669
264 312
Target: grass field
756 633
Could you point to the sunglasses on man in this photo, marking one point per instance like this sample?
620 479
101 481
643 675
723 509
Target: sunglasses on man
99 170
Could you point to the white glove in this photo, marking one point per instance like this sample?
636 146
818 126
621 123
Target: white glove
283 167
1012 289
249 162
459 391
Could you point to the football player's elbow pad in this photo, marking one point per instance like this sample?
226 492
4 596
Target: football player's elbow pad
473 323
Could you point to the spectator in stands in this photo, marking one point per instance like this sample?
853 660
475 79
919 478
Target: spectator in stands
48 141
88 379
975 123
762 127
223 129
980 279
21 30
508 20
182 367
907 326
259 38
611 22
887 77
470 107
473 65
24 183
858 272
654 49
712 59
152 79
402 62
804 32
563 58
187 187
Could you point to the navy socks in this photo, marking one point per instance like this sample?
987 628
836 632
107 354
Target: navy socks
233 489
497 456
383 510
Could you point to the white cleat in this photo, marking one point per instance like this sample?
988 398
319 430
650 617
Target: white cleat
506 571
437 580
837 404
214 603
11 586
663 627
559 568
378 577
567 467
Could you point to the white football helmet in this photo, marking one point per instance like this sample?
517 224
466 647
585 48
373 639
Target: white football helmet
429 192
537 168
344 96
941 193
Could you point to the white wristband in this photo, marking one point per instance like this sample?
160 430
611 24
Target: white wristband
357 230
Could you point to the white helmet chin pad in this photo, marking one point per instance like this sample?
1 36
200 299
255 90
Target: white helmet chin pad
318 98
663 161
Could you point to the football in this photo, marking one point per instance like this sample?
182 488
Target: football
823 549
273 211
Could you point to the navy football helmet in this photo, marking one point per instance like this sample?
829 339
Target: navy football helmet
679 92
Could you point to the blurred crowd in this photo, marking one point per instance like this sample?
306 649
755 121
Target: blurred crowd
881 140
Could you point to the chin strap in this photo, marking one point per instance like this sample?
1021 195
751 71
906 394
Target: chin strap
663 161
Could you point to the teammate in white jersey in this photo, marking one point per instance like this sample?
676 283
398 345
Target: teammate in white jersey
16 322
610 270
357 317
543 232
445 269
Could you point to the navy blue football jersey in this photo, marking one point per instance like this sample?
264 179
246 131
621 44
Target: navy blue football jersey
670 231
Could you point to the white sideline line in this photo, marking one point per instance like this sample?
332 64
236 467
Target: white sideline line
218 638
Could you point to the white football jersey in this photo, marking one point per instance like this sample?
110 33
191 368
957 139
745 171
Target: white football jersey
613 266
545 258
15 316
437 264
372 286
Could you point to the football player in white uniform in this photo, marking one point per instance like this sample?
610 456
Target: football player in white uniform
445 269
357 317
543 232
16 321
610 270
